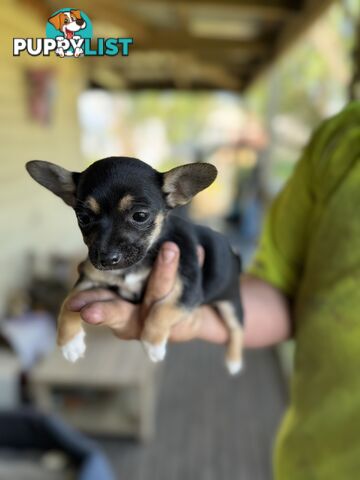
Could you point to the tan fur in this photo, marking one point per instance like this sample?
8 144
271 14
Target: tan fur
100 278
174 197
93 204
181 183
159 220
76 13
69 323
126 202
162 316
235 344
57 20
159 322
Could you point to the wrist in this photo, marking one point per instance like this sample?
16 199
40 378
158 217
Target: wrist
210 326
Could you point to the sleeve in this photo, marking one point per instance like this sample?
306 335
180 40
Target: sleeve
331 154
282 247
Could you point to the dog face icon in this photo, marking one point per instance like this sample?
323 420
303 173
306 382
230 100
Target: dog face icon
68 23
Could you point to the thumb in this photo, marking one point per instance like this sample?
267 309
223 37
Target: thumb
163 276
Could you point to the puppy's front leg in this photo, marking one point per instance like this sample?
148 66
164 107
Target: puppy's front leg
70 334
158 322
155 334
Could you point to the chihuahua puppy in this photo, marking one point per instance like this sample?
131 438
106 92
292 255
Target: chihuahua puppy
123 207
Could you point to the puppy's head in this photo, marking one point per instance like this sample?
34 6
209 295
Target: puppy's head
68 22
121 203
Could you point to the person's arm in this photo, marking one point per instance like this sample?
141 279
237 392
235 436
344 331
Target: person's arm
267 318
266 309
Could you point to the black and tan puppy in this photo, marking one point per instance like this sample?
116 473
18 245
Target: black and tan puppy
123 207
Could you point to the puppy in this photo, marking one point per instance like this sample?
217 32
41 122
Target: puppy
68 23
123 207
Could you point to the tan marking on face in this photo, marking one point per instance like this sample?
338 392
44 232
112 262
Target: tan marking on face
159 220
76 13
93 204
235 344
126 202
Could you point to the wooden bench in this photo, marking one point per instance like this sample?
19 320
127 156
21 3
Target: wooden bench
112 390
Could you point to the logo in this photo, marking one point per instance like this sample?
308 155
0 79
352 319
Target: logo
69 33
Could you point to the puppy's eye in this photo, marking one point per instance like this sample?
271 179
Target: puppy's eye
140 217
66 20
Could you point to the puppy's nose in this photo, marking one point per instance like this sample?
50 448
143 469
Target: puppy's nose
109 259
80 21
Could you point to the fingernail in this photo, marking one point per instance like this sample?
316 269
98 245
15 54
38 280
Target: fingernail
168 255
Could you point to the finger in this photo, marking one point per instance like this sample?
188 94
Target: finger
201 255
119 315
80 299
163 275
106 312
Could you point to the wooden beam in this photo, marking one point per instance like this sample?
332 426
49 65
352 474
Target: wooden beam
201 72
114 13
197 70
289 4
289 36
178 41
169 84
265 9
217 75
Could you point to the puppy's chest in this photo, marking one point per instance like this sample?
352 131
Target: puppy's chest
129 285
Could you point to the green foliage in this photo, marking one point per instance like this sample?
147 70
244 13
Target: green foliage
304 77
183 113
306 84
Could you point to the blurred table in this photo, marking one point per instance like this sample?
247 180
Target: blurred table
112 390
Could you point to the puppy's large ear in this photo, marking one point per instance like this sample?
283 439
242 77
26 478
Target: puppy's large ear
181 183
58 180
56 20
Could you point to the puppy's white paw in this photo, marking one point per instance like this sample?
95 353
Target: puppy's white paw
156 353
75 348
234 367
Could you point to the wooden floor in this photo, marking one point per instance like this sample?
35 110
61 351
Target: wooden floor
210 426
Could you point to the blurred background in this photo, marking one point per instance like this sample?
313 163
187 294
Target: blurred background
238 83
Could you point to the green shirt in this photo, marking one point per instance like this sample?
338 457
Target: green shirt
310 249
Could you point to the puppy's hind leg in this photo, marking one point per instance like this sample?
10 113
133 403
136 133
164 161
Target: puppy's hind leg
231 314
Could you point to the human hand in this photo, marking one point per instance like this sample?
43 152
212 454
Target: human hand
103 307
